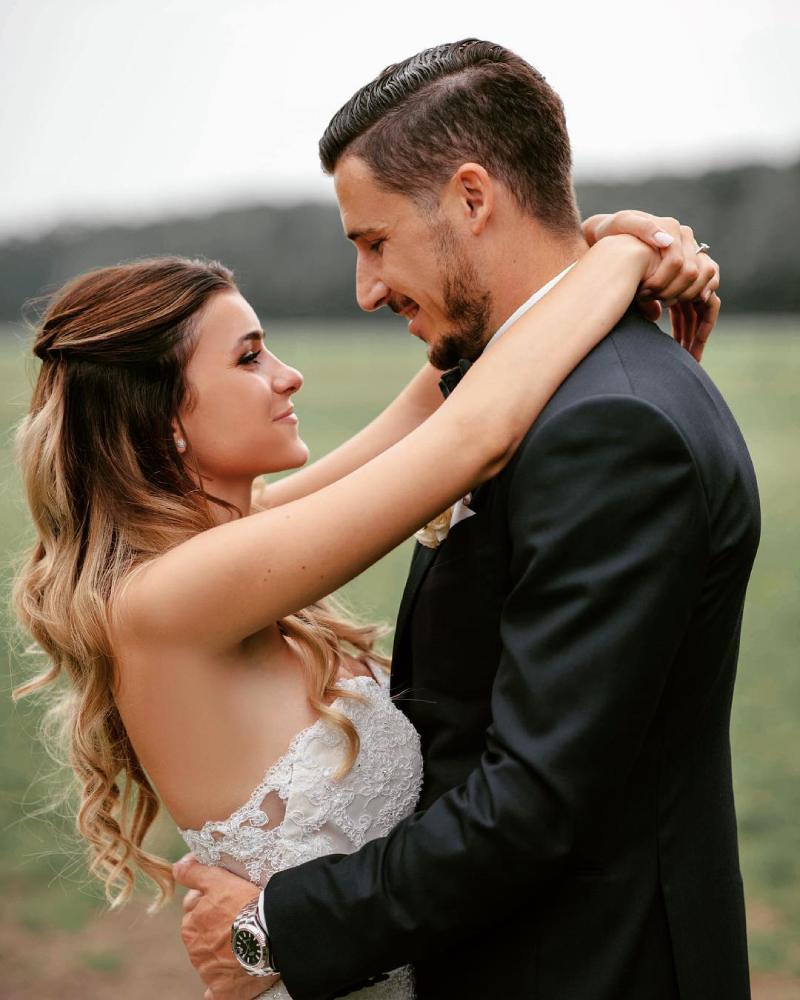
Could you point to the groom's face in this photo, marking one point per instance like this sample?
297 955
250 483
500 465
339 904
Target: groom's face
415 262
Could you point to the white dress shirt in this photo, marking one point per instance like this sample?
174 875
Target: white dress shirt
529 302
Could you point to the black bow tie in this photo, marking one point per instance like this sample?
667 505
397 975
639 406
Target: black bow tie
451 378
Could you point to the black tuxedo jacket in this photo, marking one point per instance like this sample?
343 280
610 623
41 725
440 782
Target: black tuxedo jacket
568 656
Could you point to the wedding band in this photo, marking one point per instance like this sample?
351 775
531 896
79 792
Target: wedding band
703 248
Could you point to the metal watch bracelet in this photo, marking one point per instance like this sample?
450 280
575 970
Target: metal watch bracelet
250 942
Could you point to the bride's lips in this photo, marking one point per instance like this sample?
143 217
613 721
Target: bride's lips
288 416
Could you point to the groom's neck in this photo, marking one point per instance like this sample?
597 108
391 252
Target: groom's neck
525 261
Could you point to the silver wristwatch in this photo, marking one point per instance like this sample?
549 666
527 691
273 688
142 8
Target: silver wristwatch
250 942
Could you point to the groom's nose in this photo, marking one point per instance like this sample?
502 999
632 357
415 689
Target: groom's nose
371 292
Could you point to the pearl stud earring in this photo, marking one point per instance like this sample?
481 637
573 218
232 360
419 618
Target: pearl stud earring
180 444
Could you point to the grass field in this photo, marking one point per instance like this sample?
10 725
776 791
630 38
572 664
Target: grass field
54 942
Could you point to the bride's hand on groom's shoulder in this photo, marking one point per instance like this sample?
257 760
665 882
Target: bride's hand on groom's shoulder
685 281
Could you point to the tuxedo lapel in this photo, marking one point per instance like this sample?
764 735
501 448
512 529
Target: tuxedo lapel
421 562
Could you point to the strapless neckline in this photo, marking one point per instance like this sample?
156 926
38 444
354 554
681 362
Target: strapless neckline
301 736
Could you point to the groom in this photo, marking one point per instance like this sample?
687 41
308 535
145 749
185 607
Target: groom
568 652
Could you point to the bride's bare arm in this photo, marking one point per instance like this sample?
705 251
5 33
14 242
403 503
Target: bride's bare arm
233 580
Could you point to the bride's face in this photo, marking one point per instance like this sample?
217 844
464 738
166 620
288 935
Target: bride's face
241 424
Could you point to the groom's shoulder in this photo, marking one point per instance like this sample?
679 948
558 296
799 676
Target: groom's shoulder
636 363
637 385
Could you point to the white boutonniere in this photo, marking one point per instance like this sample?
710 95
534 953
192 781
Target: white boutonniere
435 531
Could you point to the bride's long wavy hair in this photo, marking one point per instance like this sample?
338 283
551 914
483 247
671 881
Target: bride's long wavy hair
108 491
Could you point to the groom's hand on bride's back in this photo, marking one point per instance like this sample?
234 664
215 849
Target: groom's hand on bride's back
214 899
685 281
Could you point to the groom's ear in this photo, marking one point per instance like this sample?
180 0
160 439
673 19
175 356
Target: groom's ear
471 194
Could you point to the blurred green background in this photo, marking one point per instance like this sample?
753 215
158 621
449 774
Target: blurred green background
55 941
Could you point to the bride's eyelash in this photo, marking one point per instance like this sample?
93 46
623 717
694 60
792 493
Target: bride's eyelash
250 358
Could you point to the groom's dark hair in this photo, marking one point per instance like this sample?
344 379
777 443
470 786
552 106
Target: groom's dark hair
417 121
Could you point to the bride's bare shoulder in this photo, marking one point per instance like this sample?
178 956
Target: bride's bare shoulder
136 630
128 597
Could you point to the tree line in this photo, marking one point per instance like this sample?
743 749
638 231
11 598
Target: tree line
294 261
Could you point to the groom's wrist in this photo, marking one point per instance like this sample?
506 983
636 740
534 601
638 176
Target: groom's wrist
262 917
261 910
250 940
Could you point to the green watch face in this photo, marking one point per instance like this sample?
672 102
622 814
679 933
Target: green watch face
247 948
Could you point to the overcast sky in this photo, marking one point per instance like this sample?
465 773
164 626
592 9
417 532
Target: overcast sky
136 108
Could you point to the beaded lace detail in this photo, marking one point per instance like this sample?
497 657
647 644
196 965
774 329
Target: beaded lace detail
299 812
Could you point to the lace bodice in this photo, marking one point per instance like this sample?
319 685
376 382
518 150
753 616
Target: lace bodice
299 812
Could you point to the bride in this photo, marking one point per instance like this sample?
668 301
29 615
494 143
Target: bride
187 604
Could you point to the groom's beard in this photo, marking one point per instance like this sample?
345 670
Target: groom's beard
467 306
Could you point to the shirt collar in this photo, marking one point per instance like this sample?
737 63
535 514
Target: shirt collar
527 304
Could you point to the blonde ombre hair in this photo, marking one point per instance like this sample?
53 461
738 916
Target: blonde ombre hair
108 491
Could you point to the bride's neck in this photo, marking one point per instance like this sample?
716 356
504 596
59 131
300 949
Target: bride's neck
238 493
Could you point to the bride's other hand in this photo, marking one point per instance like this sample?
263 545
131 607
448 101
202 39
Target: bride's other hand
686 282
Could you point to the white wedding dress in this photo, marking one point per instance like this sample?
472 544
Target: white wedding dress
298 812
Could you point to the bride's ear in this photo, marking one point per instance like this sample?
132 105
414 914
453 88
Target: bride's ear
471 194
